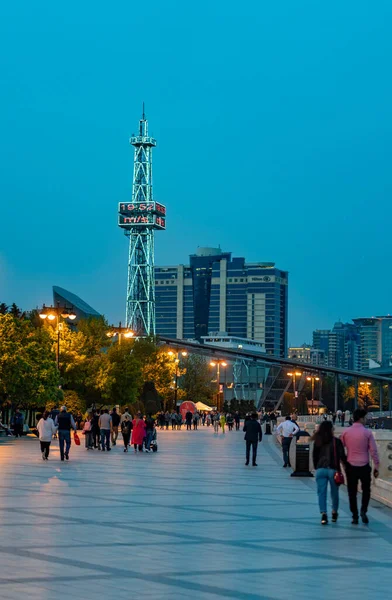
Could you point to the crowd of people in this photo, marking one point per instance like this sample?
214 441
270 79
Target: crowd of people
351 452
192 420
100 430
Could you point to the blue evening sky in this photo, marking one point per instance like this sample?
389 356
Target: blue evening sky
273 122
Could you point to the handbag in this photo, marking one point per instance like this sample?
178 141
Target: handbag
338 475
76 439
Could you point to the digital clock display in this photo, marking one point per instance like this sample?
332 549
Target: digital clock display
133 208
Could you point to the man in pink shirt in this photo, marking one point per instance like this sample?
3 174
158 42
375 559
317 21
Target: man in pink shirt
359 442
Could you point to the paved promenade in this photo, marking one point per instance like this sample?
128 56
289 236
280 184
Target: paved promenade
188 522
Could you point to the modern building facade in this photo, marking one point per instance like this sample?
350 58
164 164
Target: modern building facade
81 309
218 292
340 346
307 354
375 341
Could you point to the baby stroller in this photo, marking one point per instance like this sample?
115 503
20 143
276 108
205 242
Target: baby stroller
154 443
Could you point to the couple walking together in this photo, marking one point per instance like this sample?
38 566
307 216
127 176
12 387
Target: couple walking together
329 455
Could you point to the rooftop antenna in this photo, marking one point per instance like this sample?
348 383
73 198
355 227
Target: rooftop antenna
144 116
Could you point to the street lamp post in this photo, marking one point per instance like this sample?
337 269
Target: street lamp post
218 364
182 353
313 379
294 375
55 313
120 332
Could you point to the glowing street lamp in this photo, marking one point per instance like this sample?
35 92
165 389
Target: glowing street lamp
313 379
180 354
54 313
294 376
120 332
218 364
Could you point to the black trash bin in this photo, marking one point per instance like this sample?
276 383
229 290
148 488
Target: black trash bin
302 459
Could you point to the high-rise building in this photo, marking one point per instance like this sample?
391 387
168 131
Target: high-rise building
341 345
375 340
217 292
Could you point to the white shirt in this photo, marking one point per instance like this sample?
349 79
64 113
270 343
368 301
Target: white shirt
46 429
287 428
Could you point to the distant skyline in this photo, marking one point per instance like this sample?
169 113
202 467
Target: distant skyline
273 126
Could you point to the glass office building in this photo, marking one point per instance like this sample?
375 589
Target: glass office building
220 293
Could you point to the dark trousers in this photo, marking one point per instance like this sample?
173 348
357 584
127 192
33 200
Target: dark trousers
188 426
250 444
96 437
105 439
18 430
126 438
88 439
355 474
286 442
45 448
64 440
194 424
140 446
237 426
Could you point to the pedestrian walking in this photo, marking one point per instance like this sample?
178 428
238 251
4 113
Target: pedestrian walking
253 435
173 418
360 443
287 429
216 421
17 423
179 420
237 420
167 419
46 429
150 426
126 413
203 418
88 433
188 420
64 423
222 422
105 426
138 432
126 428
208 419
116 420
96 434
328 455
230 421
196 418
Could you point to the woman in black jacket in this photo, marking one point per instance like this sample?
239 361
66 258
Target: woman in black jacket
328 454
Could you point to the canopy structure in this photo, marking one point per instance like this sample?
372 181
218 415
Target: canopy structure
202 406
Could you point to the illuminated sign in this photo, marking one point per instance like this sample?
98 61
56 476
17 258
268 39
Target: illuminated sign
140 220
132 208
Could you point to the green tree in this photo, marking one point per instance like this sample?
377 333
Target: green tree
28 373
368 396
156 367
122 380
196 381
15 311
3 308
